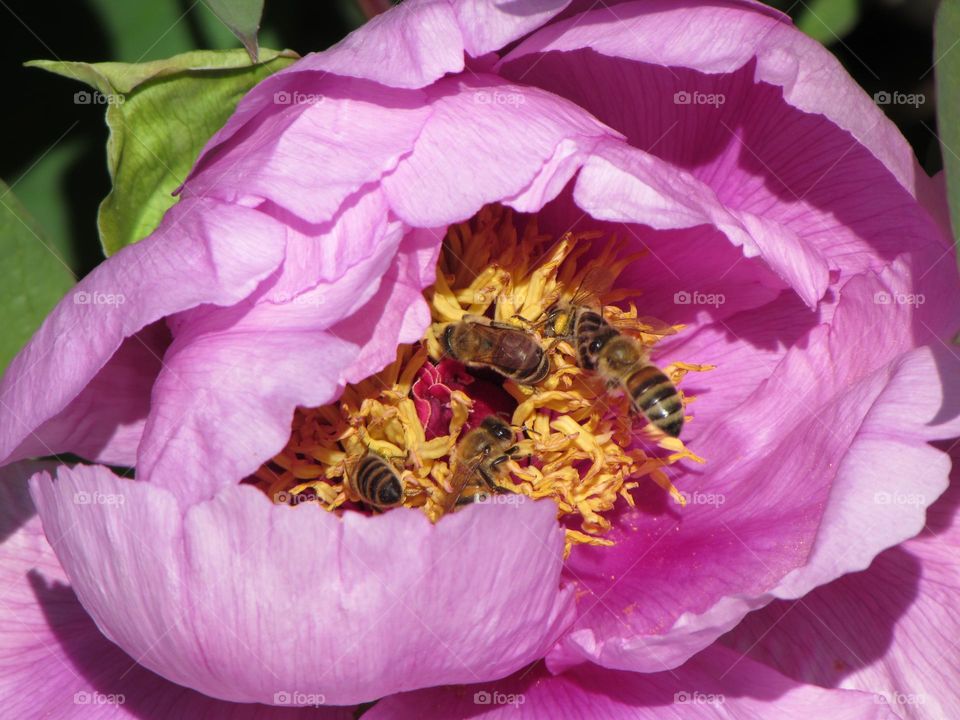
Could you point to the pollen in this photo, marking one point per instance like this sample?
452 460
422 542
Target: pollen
578 444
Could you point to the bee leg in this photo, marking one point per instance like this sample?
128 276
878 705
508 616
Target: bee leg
548 348
489 482
512 452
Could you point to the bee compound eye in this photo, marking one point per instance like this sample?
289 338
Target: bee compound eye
595 346
446 337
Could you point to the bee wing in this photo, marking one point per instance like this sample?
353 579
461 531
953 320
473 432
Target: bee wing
594 283
641 326
462 474
483 357
496 341
351 466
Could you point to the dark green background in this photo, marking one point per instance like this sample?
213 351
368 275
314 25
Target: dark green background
54 156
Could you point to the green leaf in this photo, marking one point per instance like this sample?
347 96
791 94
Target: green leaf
160 114
43 190
946 53
243 19
32 276
828 21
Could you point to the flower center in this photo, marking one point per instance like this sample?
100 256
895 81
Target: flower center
397 438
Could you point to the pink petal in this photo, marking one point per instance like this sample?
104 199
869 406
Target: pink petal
717 683
488 140
670 34
219 257
797 468
56 664
470 140
488 26
242 599
812 166
409 46
621 184
308 157
104 423
224 400
891 629
676 262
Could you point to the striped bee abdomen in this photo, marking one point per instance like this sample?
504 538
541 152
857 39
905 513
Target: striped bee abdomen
377 483
654 395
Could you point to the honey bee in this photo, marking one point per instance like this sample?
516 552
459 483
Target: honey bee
580 319
580 326
515 353
480 455
376 483
620 359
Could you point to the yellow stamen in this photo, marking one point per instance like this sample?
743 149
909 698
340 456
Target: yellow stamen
580 439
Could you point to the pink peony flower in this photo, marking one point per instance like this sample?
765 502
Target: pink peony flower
786 226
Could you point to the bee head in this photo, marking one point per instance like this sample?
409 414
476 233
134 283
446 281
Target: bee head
620 353
498 428
596 344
